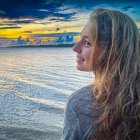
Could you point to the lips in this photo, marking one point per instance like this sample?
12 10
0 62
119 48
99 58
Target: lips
80 58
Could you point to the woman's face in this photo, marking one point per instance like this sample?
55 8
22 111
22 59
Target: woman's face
84 52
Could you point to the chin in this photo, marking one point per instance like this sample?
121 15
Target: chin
82 69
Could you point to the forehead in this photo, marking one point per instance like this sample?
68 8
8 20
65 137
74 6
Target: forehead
84 31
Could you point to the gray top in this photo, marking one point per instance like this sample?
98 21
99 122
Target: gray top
78 123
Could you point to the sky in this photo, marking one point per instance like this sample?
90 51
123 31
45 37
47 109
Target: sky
24 22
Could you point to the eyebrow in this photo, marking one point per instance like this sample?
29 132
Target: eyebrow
83 35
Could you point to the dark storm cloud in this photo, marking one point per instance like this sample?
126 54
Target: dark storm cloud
32 9
4 28
40 9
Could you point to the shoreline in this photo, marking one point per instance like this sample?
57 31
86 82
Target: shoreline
41 46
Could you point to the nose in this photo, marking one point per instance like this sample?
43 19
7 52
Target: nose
76 47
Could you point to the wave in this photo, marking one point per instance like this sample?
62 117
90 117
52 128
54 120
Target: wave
49 102
18 133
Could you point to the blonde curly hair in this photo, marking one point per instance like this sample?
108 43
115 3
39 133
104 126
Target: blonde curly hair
117 75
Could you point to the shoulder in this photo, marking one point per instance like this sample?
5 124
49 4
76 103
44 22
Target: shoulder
80 111
81 93
82 100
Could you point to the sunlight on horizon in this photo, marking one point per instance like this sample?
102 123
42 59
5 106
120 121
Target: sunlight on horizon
40 24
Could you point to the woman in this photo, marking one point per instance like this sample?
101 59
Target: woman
110 108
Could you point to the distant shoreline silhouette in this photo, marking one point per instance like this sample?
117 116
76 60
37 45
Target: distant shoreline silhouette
41 46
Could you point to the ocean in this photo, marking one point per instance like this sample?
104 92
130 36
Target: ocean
35 84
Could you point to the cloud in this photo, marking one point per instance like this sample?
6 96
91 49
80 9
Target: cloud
16 22
7 24
126 8
4 28
47 11
23 21
57 29
63 17
129 9
27 31
38 9
41 9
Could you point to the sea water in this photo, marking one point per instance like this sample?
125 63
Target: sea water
35 84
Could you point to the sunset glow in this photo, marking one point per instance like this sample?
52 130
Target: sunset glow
46 20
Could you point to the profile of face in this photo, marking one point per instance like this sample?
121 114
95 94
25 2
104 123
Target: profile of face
86 58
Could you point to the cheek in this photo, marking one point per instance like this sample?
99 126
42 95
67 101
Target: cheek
88 56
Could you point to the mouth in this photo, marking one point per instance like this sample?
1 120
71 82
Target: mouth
80 59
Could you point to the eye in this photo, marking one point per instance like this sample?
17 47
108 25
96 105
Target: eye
87 43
